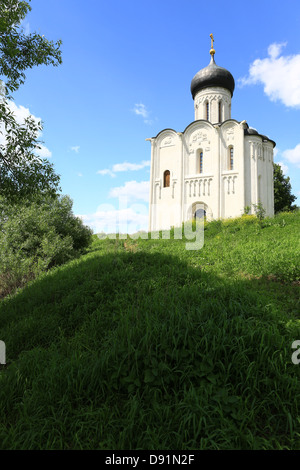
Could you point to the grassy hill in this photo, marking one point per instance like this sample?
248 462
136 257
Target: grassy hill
141 344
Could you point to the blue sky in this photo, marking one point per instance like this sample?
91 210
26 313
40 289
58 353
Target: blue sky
126 74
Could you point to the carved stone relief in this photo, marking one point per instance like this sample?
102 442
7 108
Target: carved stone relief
167 141
230 135
216 97
198 138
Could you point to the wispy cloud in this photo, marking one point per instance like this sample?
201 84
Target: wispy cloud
132 191
126 166
106 172
75 149
280 75
141 110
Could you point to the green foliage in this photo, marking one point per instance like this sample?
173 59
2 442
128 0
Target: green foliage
37 236
141 344
22 173
283 197
18 51
259 210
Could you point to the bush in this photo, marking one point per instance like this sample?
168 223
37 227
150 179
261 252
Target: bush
37 236
259 210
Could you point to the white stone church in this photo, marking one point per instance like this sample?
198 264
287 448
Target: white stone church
217 162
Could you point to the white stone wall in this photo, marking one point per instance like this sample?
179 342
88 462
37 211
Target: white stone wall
165 202
224 192
259 183
232 197
200 187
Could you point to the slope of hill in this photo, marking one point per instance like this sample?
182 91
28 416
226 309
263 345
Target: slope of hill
141 344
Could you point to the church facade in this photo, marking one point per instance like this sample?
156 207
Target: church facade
217 163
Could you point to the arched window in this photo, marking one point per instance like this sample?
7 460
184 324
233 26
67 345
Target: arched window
220 111
199 168
207 110
166 179
230 158
201 162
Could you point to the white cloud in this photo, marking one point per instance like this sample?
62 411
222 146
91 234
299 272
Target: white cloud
20 114
108 219
2 89
75 149
79 174
280 76
141 110
126 166
132 190
284 167
106 172
275 49
130 166
43 152
293 155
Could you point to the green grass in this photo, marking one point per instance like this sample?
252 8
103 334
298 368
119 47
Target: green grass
141 344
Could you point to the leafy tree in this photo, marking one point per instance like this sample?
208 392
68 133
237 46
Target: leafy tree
283 197
19 51
22 173
36 236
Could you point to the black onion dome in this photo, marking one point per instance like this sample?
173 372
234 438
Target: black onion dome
212 76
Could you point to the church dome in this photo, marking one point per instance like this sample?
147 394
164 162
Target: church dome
212 76
251 131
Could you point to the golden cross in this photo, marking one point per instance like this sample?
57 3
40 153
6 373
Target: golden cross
212 51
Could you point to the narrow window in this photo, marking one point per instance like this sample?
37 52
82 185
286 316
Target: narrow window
207 110
199 166
220 111
166 179
231 158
